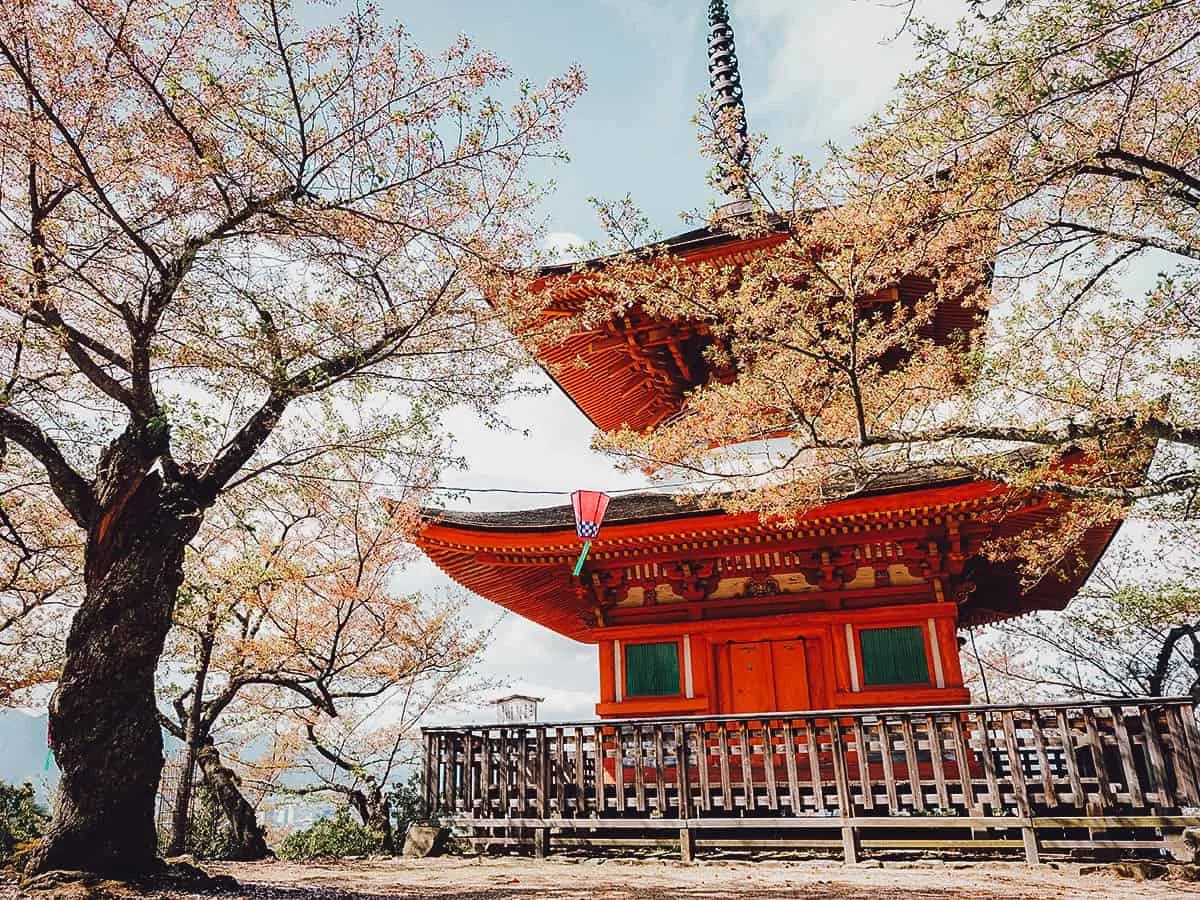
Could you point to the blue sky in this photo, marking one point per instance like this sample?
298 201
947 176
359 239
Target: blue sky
811 72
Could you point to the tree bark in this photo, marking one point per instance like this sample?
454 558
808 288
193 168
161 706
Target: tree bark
381 823
181 814
194 731
249 841
375 811
104 725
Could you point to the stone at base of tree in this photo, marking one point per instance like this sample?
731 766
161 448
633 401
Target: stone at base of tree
1187 848
178 874
423 840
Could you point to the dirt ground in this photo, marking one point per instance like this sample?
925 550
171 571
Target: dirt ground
609 879
454 878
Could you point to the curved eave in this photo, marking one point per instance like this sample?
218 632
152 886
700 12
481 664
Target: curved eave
1000 595
528 569
636 384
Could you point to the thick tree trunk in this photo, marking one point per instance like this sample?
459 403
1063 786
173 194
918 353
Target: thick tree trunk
104 726
375 811
249 841
381 823
192 723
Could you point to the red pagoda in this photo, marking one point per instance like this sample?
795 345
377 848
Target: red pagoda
858 603
769 685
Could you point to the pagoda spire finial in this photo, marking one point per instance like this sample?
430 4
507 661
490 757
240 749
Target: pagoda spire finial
729 110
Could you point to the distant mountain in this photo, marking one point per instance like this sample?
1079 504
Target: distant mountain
23 751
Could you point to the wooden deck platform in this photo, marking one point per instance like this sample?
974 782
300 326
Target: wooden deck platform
1080 777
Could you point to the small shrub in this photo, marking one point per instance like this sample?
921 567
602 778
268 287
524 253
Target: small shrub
338 835
22 818
407 804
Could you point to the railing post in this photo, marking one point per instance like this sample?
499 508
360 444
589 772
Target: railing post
469 773
747 772
1133 784
995 799
451 743
1156 760
789 763
541 842
723 763
541 771
682 778
845 800
485 773
911 763
1182 754
660 776
523 773
1066 734
1103 785
933 729
768 733
504 776
888 764
1049 789
1020 789
618 768
639 769
684 788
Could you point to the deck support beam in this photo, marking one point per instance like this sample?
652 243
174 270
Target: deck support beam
687 845
1029 839
850 845
541 843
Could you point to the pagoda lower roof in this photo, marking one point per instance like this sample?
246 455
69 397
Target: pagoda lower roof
522 560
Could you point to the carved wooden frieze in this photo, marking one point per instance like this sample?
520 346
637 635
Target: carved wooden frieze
848 566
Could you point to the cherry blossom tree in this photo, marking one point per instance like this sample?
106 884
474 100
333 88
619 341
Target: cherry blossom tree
292 611
217 228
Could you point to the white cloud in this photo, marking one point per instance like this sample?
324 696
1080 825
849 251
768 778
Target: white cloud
829 65
564 246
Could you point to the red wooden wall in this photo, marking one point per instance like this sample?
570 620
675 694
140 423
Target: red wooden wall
783 663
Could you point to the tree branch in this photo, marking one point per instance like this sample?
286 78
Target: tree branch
88 173
71 488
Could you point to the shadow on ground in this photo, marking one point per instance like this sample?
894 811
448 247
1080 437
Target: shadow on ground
568 892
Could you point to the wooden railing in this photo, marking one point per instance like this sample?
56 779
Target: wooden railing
1133 764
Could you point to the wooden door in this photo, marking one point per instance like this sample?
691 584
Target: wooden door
791 676
751 677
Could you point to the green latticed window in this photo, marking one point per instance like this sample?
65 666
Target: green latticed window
893 656
651 670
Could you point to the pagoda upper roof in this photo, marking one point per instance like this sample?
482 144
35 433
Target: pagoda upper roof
637 369
698 240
